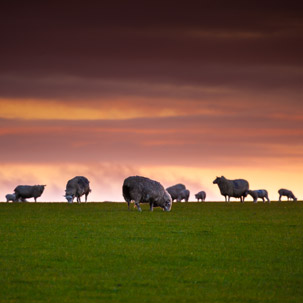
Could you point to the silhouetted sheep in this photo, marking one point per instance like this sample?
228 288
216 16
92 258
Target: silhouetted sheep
232 188
183 195
77 187
260 193
10 197
201 195
28 191
144 190
175 190
287 193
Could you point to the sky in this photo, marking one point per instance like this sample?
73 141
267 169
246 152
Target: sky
179 93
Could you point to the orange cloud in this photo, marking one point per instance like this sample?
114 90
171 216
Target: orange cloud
109 109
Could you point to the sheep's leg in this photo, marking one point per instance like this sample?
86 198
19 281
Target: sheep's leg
151 206
280 198
137 203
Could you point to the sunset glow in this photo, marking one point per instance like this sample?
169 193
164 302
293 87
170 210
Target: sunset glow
177 98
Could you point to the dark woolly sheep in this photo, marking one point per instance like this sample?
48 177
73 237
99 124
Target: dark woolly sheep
232 188
201 195
77 187
10 197
175 190
260 193
144 190
287 193
183 195
27 191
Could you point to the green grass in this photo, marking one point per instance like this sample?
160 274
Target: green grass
199 252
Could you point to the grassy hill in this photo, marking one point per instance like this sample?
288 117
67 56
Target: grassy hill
199 252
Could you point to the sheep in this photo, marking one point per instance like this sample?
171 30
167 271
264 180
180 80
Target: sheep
27 191
201 195
232 188
175 190
77 187
183 195
10 197
287 193
144 190
260 193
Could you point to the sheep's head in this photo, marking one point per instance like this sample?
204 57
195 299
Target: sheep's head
69 198
167 201
41 188
217 180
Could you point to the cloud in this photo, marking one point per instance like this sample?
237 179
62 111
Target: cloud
103 49
186 140
138 86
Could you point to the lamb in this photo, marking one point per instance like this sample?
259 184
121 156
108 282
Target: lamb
175 190
232 188
27 191
144 190
287 193
77 187
10 197
201 195
183 195
260 193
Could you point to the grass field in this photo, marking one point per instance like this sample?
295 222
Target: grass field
199 252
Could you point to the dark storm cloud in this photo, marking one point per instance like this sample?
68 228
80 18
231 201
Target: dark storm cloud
127 82
232 44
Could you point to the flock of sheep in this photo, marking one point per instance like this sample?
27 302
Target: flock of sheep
144 190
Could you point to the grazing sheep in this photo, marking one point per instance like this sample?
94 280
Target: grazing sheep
201 195
77 187
27 191
183 195
144 190
10 197
287 193
260 193
232 188
175 190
